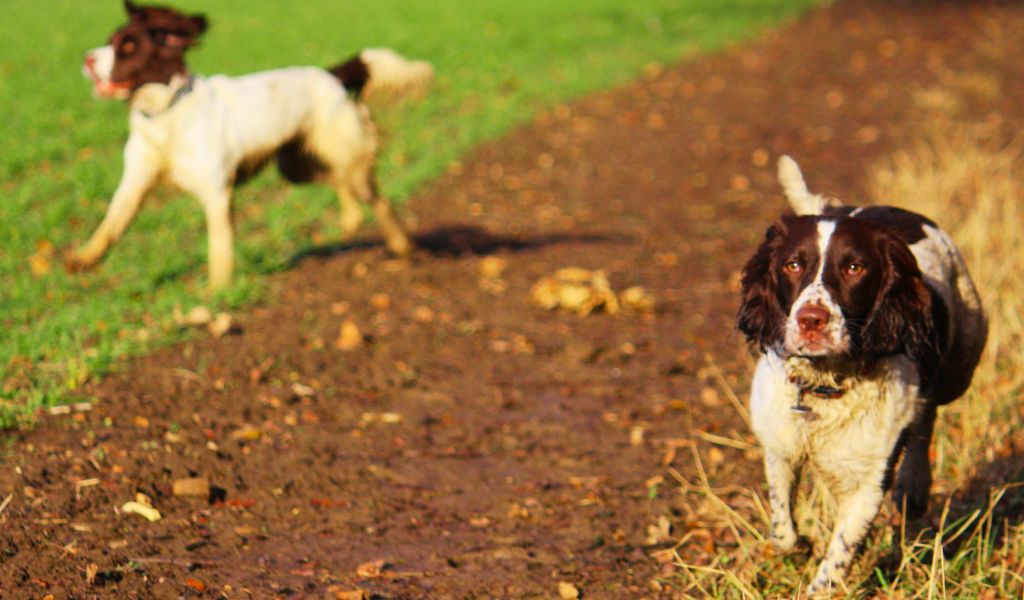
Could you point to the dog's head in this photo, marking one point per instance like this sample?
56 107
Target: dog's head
837 287
150 48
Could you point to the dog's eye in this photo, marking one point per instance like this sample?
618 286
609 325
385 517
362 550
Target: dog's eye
793 267
854 269
128 47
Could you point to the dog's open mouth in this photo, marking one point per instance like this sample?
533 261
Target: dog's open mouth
112 90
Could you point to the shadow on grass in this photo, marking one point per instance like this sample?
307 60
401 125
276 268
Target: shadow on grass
988 508
449 241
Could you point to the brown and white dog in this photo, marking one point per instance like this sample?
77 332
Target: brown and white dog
867 321
208 134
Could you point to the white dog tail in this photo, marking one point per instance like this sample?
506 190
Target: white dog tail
384 72
801 200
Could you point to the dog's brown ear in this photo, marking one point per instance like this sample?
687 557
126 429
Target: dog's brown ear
760 315
902 319
186 32
135 12
179 30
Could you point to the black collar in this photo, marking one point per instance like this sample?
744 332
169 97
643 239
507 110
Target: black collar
826 392
184 90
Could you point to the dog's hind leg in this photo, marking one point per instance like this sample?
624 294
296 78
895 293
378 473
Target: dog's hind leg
915 475
351 211
141 168
395 238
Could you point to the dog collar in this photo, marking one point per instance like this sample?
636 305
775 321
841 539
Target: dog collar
826 392
183 90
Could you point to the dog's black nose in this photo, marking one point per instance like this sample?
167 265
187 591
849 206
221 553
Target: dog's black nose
812 318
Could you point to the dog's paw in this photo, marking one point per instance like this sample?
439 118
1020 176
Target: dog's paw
799 550
911 491
75 263
400 247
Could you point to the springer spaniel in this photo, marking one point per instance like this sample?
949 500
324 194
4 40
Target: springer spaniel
867 321
208 134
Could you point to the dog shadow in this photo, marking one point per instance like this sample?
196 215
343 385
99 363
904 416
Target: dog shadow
457 240
993 502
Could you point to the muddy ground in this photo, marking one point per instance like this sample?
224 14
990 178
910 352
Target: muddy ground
477 445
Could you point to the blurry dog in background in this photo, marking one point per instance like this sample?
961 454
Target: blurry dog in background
867 321
208 134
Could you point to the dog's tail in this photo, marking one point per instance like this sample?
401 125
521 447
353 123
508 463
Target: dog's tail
801 200
379 71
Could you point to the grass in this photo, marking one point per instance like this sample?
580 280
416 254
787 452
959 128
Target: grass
973 545
498 64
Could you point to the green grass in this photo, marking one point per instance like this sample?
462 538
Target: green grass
498 63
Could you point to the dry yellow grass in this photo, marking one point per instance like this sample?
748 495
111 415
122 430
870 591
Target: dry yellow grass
973 546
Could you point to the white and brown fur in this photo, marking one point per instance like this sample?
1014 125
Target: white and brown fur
208 134
867 321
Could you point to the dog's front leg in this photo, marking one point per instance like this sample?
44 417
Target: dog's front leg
142 165
220 238
856 511
781 475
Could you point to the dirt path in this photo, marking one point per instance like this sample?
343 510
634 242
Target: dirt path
477 445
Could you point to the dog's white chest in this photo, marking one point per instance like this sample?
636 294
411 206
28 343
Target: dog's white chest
842 436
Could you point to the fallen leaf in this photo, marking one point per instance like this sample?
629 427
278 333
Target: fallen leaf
39 265
422 314
709 397
492 267
567 591
369 570
301 390
245 531
637 299
192 486
246 433
345 594
141 509
90 573
715 456
579 290
350 337
195 584
659 532
380 301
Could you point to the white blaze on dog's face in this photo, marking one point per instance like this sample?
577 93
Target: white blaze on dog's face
815 324
97 67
